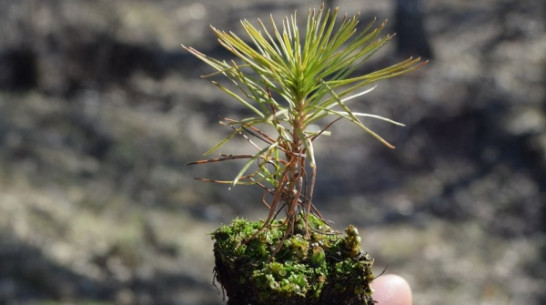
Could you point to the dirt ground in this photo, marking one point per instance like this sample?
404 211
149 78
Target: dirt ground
100 110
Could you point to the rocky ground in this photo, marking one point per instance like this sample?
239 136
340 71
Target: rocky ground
101 109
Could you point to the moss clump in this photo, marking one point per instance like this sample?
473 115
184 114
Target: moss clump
327 268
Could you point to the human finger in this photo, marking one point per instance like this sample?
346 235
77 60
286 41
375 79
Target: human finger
391 289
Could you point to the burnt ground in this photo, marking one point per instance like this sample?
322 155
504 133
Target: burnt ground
101 109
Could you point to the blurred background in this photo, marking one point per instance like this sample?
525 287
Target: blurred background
100 110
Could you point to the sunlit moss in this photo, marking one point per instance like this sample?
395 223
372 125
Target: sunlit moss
327 269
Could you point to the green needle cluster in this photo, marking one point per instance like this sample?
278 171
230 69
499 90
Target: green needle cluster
290 79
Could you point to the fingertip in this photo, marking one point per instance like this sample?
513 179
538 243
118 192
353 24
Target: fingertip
391 289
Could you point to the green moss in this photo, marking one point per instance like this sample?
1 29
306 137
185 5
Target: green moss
327 268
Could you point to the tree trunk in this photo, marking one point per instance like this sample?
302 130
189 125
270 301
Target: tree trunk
411 36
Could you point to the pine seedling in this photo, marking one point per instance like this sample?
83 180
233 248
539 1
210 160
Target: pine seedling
289 79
